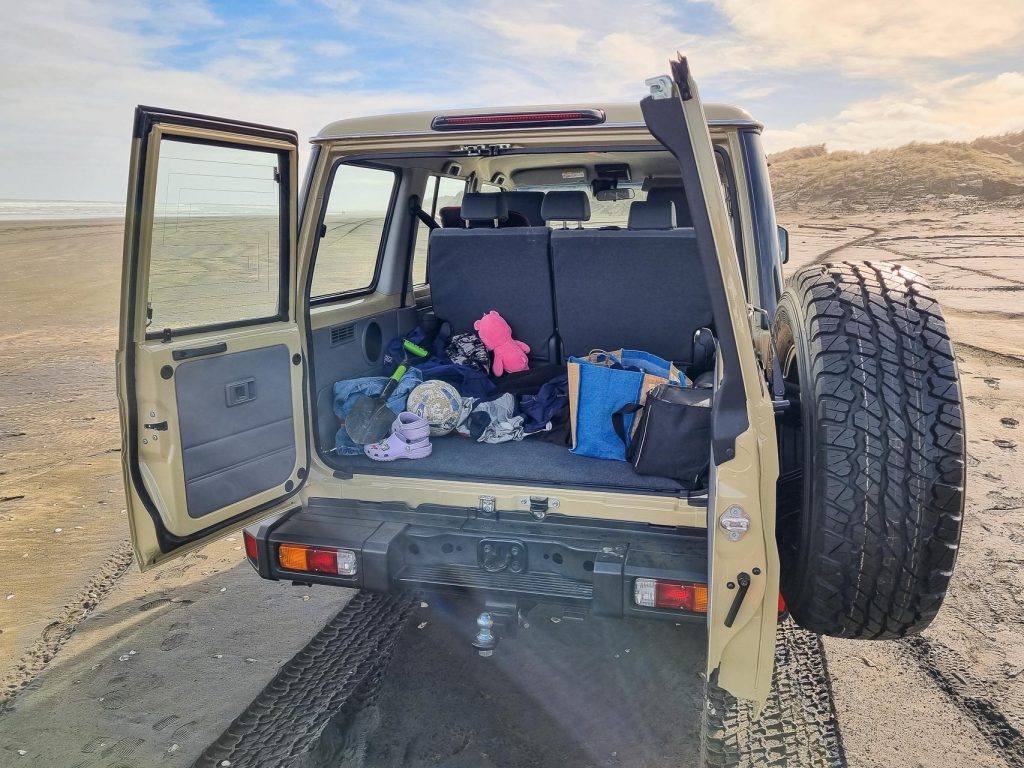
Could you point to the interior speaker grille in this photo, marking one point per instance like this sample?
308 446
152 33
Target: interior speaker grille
342 334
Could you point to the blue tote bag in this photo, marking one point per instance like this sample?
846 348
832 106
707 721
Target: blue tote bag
603 382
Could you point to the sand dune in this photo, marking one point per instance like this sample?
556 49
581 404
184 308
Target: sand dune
956 175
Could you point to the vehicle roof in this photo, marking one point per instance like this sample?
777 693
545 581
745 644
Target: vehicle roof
411 123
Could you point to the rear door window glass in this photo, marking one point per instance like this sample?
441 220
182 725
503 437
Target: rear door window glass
215 256
355 220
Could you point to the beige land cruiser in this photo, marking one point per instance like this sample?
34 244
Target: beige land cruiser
836 450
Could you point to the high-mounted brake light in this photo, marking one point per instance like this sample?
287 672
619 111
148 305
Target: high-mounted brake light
517 120
674 595
299 557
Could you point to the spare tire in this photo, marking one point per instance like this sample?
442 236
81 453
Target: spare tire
872 463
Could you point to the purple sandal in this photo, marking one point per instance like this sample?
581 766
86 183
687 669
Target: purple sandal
409 439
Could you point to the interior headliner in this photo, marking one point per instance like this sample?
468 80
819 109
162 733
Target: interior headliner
643 163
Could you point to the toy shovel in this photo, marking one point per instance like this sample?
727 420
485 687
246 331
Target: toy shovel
370 418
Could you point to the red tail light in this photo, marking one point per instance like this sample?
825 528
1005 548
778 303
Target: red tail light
517 119
322 560
251 551
674 595
300 557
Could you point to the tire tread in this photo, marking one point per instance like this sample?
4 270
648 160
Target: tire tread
888 453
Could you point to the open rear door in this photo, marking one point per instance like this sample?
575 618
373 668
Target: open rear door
743 578
211 373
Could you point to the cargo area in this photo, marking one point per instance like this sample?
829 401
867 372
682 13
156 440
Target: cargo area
571 270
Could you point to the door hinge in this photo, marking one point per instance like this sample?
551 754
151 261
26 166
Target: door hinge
661 86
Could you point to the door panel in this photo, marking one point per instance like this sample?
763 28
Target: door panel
211 369
347 345
237 434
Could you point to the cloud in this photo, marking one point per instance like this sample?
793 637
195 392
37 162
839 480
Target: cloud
337 78
959 109
263 60
867 38
533 38
333 50
183 14
346 12
756 92
72 70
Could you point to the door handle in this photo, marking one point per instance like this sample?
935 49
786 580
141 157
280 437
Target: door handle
188 354
743 580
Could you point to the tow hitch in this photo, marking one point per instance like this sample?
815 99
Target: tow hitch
485 641
499 619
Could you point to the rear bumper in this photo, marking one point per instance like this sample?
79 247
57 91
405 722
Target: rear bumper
509 556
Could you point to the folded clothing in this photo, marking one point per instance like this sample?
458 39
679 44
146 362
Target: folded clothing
347 392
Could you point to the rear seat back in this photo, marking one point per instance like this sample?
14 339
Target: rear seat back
526 204
676 196
483 268
640 288
451 216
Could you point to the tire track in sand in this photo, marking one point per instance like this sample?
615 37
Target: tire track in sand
952 674
862 240
59 631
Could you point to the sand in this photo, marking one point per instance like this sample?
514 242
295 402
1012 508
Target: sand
953 698
59 437
957 697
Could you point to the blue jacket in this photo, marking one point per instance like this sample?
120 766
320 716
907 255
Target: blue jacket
348 391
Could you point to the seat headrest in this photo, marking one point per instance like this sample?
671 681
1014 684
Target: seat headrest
527 204
451 217
651 215
675 195
482 209
566 206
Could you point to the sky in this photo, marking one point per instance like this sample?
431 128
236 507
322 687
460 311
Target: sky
852 74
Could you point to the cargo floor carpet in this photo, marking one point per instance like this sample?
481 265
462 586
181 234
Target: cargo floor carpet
529 460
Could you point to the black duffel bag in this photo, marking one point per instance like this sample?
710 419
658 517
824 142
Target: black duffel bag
673 438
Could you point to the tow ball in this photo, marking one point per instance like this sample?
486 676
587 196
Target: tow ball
499 619
485 639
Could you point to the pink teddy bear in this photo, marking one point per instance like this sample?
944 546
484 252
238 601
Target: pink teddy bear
509 354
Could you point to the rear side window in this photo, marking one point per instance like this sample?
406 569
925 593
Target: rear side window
441 192
218 237
355 220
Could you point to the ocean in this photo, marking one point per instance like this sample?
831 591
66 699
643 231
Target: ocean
36 210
